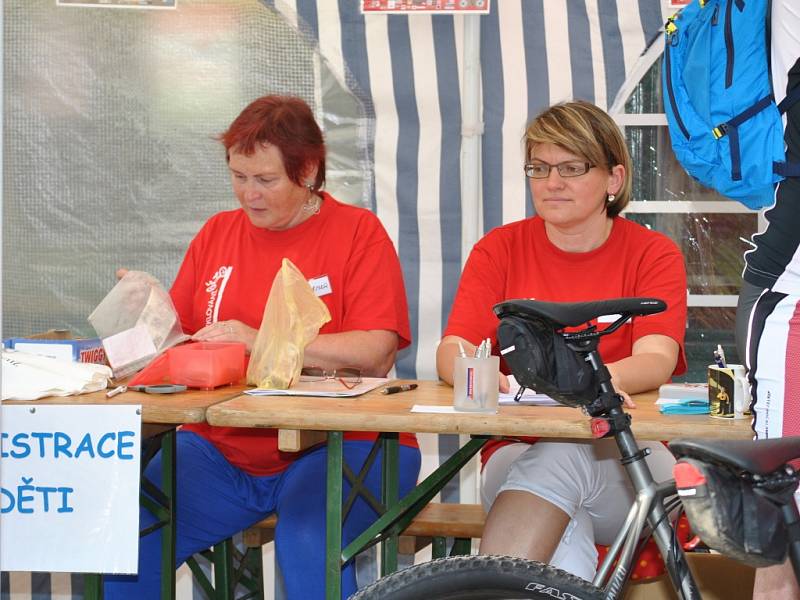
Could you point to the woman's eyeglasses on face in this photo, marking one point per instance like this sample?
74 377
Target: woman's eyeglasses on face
349 377
570 168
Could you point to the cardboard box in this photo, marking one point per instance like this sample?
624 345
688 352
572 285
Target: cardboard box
88 350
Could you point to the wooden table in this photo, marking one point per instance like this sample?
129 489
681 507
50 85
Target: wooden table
161 414
160 409
378 412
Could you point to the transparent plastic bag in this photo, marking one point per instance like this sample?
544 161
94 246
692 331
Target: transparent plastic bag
292 318
136 321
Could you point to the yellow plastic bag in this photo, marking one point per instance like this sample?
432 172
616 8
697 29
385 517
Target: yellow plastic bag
292 318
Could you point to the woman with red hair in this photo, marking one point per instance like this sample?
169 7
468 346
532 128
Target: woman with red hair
229 478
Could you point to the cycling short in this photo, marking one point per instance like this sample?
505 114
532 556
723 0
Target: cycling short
773 361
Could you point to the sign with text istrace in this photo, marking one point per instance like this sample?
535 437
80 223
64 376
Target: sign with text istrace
69 488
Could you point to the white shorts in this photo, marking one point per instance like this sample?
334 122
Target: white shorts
584 479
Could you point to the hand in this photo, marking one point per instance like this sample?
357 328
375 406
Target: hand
227 331
626 399
121 272
504 385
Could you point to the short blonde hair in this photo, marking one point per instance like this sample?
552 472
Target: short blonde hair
585 130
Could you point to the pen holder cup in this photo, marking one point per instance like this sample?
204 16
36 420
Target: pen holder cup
728 392
476 384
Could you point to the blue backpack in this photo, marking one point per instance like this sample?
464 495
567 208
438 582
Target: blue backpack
724 125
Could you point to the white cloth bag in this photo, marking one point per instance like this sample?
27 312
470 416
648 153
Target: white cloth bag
30 376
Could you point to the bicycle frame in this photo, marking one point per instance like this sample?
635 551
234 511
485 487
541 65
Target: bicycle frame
648 508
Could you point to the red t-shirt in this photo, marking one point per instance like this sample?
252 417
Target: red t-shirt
519 261
227 274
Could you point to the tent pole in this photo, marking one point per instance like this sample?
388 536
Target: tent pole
471 132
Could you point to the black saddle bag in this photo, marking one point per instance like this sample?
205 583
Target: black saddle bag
540 360
732 517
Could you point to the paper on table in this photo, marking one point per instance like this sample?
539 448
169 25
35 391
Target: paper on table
432 408
671 393
329 388
529 397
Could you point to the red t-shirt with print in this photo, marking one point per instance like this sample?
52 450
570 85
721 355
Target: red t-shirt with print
519 261
227 274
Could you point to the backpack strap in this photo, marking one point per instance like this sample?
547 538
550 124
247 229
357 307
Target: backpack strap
792 97
788 169
730 128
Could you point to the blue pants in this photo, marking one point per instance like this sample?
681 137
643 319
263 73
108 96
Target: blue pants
215 500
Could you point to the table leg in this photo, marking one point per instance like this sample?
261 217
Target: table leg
169 534
92 587
390 493
164 509
398 517
333 538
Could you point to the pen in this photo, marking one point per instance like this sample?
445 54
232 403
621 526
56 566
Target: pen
394 389
518 395
718 360
721 353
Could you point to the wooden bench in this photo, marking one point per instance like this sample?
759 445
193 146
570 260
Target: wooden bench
718 577
433 524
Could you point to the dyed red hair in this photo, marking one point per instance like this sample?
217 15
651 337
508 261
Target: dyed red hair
288 124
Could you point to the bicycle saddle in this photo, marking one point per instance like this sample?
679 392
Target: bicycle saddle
755 456
572 314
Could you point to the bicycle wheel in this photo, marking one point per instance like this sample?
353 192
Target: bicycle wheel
479 577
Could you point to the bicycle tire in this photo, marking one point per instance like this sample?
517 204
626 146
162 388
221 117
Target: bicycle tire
480 577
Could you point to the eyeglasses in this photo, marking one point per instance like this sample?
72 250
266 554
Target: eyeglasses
349 377
570 168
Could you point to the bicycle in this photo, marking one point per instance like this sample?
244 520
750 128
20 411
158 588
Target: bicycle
536 329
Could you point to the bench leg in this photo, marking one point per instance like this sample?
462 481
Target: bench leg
439 547
93 586
231 569
223 570
461 547
253 573
199 575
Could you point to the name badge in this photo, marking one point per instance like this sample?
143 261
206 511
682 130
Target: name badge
321 285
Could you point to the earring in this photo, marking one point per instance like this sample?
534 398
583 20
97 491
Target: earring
611 198
309 185
312 205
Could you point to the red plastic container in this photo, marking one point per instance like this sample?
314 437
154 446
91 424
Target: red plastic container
206 365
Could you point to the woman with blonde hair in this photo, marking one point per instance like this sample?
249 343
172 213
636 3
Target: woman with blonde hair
576 248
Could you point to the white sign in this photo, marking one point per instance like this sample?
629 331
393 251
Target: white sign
69 488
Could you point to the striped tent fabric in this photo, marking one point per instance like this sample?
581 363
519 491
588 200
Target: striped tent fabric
407 71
